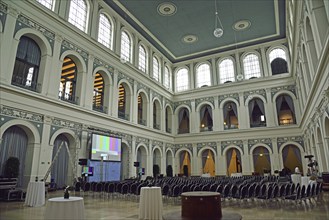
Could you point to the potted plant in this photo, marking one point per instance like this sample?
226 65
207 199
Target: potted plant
169 171
11 167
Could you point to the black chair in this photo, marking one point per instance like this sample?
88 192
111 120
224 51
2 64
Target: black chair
86 187
295 196
110 189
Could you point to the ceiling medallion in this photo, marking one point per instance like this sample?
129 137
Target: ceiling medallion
167 9
189 39
241 25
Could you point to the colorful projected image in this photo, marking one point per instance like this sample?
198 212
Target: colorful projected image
106 148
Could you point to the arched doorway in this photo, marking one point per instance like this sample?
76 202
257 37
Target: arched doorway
291 157
157 159
185 163
208 162
261 159
233 160
142 159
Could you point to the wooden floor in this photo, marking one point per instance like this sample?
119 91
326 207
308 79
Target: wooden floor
100 207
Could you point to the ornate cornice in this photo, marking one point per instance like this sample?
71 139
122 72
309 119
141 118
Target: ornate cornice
206 99
98 62
231 95
66 45
21 114
238 143
291 88
266 141
261 92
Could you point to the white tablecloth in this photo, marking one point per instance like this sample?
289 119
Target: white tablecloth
60 208
35 194
296 178
150 203
205 175
236 174
305 181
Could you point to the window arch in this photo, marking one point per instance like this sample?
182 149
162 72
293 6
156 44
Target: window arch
285 110
47 3
98 94
230 115
27 64
203 75
183 121
105 31
251 66
78 14
261 160
278 61
142 58
182 80
67 84
206 121
257 113
126 46
167 78
156 69
226 71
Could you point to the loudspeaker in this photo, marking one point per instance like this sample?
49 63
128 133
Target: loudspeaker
136 164
83 162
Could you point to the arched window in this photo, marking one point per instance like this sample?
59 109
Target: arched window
142 109
105 31
285 110
98 95
156 115
206 118
233 161
68 81
251 66
156 69
230 113
278 61
182 80
125 47
257 113
168 119
47 3
226 71
78 14
183 121
142 58
262 160
27 63
122 102
167 78
203 75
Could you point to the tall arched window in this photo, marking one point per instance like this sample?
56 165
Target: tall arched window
285 110
230 114
68 81
257 113
206 118
183 121
278 61
47 3
167 78
78 14
226 71
142 109
122 102
156 69
98 95
251 66
182 80
105 31
125 46
27 63
142 58
203 75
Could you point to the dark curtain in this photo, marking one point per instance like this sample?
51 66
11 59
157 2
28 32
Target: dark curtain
59 169
29 51
278 66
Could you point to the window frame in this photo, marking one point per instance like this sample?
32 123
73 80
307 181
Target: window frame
259 65
176 81
123 56
111 32
86 22
197 83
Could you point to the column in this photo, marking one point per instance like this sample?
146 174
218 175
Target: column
246 166
194 161
134 115
192 76
264 62
132 169
270 107
88 92
214 74
150 110
194 124
221 168
94 19
117 39
149 161
217 120
244 122
115 96
276 157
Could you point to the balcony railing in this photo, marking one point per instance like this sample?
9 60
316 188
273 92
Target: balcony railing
69 98
255 125
286 122
203 129
142 122
124 116
183 131
22 82
100 108
156 126
230 127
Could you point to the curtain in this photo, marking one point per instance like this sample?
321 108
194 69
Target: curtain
209 112
225 111
60 167
209 165
235 110
260 105
290 103
297 153
251 108
278 104
180 115
14 144
229 157
204 157
285 153
28 50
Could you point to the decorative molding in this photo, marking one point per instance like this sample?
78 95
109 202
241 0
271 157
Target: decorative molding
231 95
123 76
23 22
21 114
66 45
157 143
66 124
142 86
267 141
297 139
142 140
170 103
261 92
291 88
98 62
238 143
3 14
206 99
179 146
212 145
157 95
185 102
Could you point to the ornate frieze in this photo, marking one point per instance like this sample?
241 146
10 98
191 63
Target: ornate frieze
157 143
167 101
66 45
123 76
267 141
185 102
22 114
231 95
237 143
297 139
23 22
142 86
248 94
66 124
290 88
213 145
98 62
179 146
156 95
206 99
142 140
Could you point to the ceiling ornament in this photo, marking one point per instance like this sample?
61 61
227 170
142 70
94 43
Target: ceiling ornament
167 9
219 30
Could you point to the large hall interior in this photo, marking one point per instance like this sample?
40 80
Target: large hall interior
197 95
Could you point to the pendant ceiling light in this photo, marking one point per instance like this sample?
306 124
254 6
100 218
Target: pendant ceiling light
219 30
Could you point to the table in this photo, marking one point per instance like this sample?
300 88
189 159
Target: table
35 194
205 175
150 203
236 174
60 208
201 205
296 179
